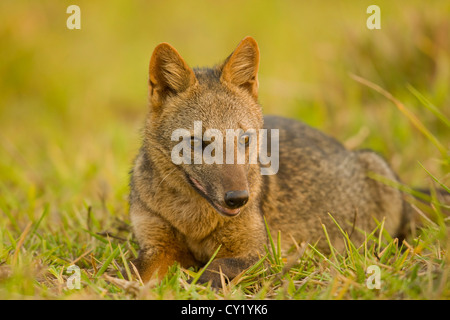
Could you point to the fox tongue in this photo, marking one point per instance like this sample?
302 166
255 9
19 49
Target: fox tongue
229 212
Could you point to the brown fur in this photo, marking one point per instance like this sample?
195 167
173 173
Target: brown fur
173 207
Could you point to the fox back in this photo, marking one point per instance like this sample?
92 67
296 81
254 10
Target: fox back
183 211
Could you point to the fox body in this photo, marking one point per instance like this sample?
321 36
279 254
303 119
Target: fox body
184 212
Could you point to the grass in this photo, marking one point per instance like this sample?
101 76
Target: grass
36 266
72 104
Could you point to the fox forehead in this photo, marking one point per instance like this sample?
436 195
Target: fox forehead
216 106
208 76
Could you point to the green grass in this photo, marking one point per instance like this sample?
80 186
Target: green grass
72 104
35 266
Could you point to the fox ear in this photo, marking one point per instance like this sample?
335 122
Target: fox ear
168 74
241 67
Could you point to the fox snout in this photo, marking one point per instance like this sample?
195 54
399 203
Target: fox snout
227 192
233 202
236 198
234 189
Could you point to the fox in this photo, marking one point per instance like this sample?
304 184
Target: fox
186 212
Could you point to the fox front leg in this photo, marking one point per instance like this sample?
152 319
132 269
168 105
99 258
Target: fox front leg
152 261
160 245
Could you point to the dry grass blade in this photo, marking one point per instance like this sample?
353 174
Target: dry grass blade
82 256
136 272
132 287
20 243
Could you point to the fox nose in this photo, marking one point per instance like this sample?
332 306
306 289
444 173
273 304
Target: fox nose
236 199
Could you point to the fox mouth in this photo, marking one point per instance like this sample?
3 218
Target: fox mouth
222 210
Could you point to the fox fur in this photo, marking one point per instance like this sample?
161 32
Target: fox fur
178 212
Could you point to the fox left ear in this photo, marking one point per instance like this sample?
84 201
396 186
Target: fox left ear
241 67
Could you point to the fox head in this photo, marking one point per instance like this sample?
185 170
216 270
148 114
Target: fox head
196 100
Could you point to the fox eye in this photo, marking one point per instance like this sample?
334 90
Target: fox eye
244 139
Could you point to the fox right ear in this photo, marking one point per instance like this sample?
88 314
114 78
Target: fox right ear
168 74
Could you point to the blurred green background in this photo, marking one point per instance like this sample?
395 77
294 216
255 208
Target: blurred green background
72 102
